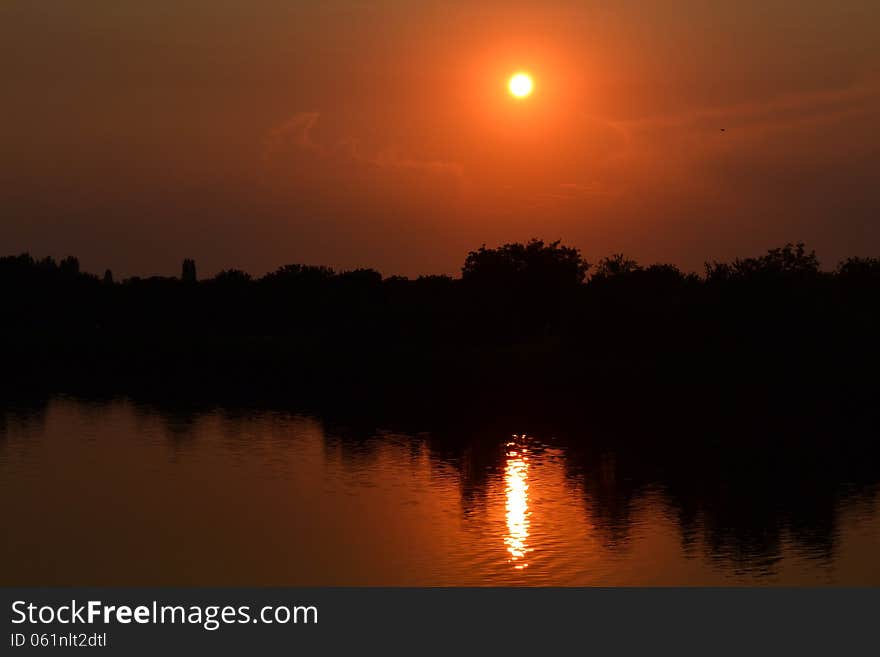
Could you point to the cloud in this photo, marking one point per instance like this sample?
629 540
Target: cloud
776 141
391 158
295 132
788 111
296 136
586 189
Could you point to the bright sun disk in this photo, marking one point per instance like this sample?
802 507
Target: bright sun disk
521 85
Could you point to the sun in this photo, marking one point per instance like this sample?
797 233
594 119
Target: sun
520 85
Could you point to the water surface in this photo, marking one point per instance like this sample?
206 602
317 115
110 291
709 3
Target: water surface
118 493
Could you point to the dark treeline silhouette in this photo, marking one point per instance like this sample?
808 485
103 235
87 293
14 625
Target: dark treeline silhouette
764 336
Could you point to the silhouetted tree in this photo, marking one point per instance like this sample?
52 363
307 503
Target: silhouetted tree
863 269
361 277
188 271
69 266
232 277
613 266
299 275
521 289
536 263
108 277
791 262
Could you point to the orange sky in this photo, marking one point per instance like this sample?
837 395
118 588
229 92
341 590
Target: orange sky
252 134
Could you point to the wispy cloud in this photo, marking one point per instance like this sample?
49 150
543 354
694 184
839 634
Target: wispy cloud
788 110
297 133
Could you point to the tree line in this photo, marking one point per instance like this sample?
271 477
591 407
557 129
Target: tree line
534 316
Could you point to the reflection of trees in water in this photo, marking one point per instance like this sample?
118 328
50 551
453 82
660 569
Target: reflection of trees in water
739 498
22 416
476 464
474 461
610 495
739 501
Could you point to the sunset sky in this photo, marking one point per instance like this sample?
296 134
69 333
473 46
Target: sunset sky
255 133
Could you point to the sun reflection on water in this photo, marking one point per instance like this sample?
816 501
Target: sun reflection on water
516 482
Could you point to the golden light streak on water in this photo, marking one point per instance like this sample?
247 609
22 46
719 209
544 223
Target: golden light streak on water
516 481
